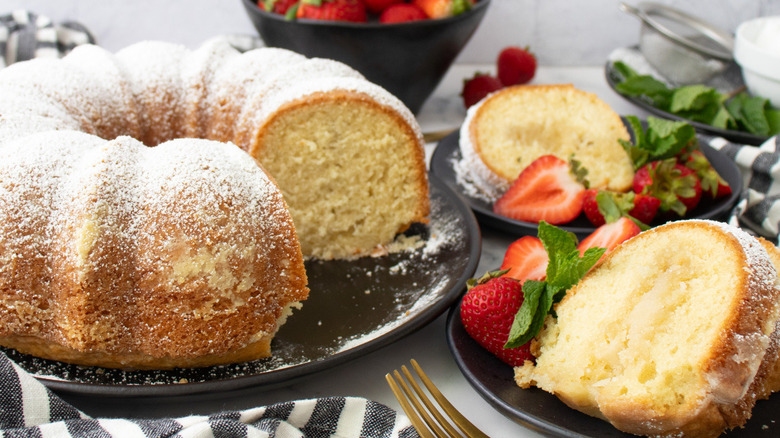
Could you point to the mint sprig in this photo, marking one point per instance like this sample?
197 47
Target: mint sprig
565 268
661 140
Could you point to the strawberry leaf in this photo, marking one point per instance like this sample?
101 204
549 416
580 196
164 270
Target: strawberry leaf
564 270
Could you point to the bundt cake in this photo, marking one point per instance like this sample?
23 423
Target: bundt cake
347 155
119 255
509 129
669 335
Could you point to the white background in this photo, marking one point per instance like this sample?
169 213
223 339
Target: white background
560 32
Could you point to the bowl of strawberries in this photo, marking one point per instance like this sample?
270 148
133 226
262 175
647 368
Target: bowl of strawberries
405 46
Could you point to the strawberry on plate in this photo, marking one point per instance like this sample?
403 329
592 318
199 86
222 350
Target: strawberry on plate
478 87
401 13
549 190
516 65
525 259
487 312
610 235
712 184
602 206
443 8
677 186
334 10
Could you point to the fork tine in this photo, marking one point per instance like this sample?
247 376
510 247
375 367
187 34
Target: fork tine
431 408
464 424
419 408
415 419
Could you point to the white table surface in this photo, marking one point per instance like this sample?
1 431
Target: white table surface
364 377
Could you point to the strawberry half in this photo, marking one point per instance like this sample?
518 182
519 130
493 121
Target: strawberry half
515 65
546 190
712 183
675 185
478 87
526 259
487 312
610 235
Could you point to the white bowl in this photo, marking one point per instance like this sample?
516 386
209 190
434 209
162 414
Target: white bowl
757 51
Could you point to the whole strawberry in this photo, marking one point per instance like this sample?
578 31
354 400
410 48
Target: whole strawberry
478 87
276 6
402 13
516 65
333 10
377 6
677 186
487 312
602 206
712 184
443 8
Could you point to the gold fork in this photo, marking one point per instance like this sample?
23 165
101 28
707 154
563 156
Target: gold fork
423 423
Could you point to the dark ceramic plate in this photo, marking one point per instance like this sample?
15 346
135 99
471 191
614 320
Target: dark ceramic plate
355 307
543 412
447 153
732 79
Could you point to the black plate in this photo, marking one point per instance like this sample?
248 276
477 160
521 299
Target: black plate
448 152
542 411
733 80
354 308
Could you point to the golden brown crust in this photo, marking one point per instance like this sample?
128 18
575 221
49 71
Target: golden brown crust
133 360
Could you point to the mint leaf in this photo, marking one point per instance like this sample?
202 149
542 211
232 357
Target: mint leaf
661 140
524 326
564 269
696 102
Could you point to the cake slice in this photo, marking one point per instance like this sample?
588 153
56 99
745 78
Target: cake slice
671 334
509 129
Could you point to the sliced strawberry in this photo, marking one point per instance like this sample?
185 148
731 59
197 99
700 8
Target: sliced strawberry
590 207
515 65
488 310
525 259
401 13
546 190
675 185
610 235
712 183
479 86
334 10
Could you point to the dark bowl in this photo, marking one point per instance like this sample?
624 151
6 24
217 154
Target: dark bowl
407 59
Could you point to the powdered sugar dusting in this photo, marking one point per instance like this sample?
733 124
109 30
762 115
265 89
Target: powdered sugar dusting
470 171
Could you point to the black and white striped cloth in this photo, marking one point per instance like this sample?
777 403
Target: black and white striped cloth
758 208
30 410
25 35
